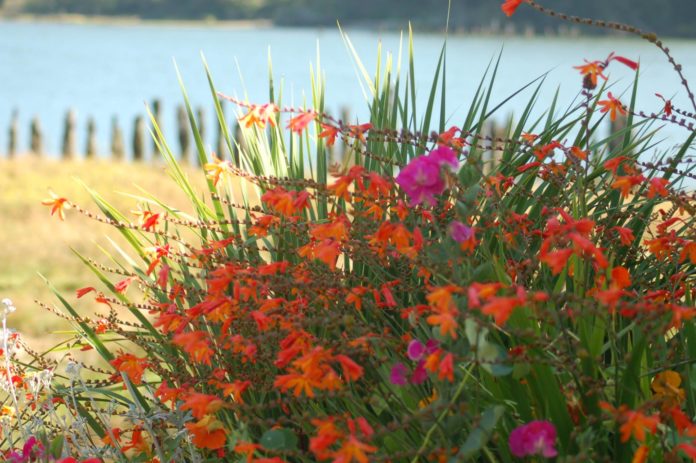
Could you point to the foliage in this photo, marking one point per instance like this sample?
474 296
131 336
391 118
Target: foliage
414 302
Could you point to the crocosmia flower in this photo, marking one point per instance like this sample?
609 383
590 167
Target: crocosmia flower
534 438
422 178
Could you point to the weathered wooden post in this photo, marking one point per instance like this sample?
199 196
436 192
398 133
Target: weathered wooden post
616 127
68 150
157 112
202 128
239 138
183 128
221 144
91 138
13 135
346 148
36 141
117 146
139 139
499 135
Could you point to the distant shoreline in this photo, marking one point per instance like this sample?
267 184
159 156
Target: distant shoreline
135 20
80 19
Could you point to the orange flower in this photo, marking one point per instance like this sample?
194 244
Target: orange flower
208 433
591 70
353 450
235 389
280 200
641 455
557 260
137 442
445 311
446 368
57 204
657 187
132 366
112 437
196 344
298 123
330 133
260 116
247 449
351 370
625 235
625 183
217 169
300 384
636 423
327 435
689 251
201 404
665 386
612 106
502 307
510 6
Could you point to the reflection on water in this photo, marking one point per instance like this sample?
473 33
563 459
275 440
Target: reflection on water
112 70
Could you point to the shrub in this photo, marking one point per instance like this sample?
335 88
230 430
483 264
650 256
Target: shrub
412 304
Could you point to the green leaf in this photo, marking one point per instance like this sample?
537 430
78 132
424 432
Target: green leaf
479 436
279 439
55 448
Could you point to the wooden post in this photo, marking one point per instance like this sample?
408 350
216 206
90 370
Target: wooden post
239 137
221 144
202 126
117 146
91 138
36 141
13 135
139 139
346 148
157 112
68 150
615 127
183 127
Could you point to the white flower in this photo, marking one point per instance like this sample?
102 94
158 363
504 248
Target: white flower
72 369
9 306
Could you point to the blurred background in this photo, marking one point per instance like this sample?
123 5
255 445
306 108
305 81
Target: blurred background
76 76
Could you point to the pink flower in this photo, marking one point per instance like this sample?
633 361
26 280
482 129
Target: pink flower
416 349
422 178
460 232
420 374
31 451
534 438
398 374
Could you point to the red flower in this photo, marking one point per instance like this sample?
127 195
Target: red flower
510 6
131 365
612 106
301 121
208 433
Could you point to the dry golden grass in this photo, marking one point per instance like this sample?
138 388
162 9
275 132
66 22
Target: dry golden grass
33 242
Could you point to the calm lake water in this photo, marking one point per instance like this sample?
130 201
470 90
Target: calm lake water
112 70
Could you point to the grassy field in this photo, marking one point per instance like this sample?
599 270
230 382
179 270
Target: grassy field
32 242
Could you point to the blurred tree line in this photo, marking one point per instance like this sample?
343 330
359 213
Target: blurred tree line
666 17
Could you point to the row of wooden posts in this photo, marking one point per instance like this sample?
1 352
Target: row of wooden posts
117 147
141 135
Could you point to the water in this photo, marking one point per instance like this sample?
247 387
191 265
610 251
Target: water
112 70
